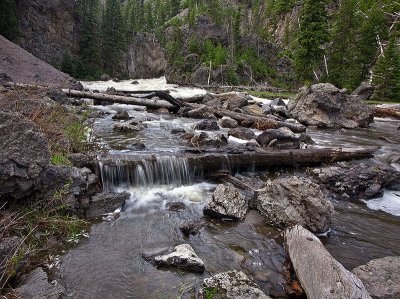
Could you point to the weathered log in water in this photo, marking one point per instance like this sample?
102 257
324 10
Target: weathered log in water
155 104
320 275
165 96
261 120
386 112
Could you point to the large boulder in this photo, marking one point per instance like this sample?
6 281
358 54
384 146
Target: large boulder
180 257
324 105
227 202
36 285
23 155
294 200
230 285
364 180
381 277
281 138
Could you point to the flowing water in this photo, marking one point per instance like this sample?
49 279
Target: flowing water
108 264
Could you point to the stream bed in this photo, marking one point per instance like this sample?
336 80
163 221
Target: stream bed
109 263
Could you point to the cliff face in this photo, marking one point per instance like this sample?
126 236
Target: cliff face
49 28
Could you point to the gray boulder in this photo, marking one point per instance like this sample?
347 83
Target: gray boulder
227 202
105 202
227 122
381 277
281 138
181 257
23 155
364 180
207 125
324 105
295 200
242 133
230 285
36 285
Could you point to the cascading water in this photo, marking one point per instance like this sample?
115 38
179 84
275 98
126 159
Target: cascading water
145 171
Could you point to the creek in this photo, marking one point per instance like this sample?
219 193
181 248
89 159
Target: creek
109 264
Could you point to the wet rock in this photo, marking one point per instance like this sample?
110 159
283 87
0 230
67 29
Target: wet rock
105 202
23 155
105 77
267 109
306 139
202 112
206 140
381 277
211 101
324 105
36 285
252 110
231 285
280 111
192 227
162 111
111 90
121 115
178 131
127 128
227 202
281 138
295 200
181 257
137 145
227 122
242 133
175 206
207 125
278 102
235 100
364 180
364 91
135 82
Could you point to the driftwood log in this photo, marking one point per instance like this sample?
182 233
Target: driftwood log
320 275
387 112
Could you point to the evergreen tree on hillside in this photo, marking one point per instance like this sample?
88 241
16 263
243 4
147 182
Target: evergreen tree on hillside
387 73
113 35
311 38
9 20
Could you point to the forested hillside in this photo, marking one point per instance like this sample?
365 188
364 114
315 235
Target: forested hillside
280 43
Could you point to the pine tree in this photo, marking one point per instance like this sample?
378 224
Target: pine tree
113 35
311 38
67 65
387 73
9 23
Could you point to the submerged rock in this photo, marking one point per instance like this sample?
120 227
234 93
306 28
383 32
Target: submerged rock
324 105
242 133
231 285
121 115
128 128
181 257
381 277
36 285
358 181
24 154
281 138
295 200
227 202
192 227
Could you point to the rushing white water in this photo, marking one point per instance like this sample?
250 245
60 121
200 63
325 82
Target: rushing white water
143 85
389 203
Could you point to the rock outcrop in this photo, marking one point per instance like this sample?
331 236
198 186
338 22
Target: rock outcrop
36 285
231 285
23 67
381 277
294 200
227 202
324 105
23 155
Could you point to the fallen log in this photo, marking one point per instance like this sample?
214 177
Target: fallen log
261 122
386 112
320 275
154 104
166 97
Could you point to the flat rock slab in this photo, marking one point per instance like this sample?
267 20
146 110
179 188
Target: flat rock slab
320 275
381 277
227 202
181 257
231 285
37 286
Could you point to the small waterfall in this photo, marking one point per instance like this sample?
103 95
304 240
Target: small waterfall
145 171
